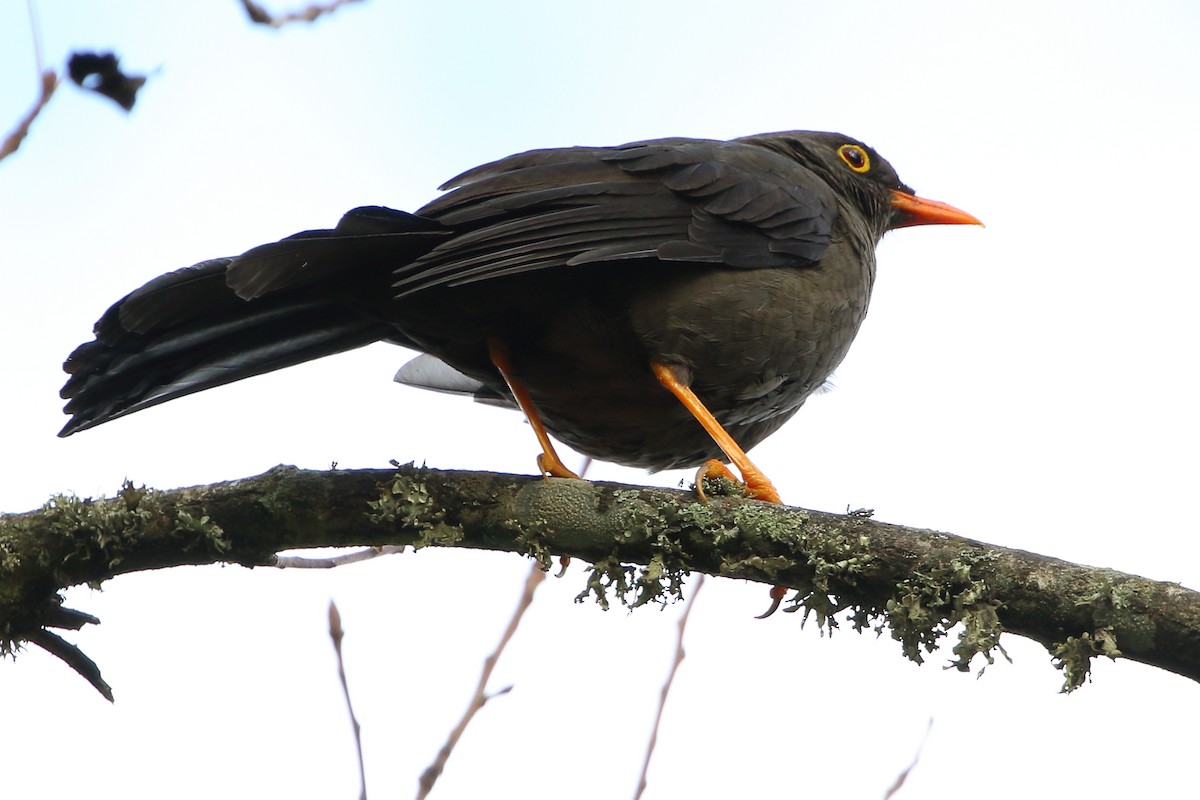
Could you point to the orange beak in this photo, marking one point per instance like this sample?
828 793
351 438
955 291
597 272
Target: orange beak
915 210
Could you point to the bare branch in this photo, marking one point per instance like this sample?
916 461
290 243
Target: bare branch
18 134
915 584
261 16
479 699
336 633
666 689
302 562
904 773
74 658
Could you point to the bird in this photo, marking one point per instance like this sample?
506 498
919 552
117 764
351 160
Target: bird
661 304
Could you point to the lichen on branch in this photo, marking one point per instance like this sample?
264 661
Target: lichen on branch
917 585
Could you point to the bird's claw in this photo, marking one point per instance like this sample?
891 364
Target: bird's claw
551 467
777 595
755 485
712 470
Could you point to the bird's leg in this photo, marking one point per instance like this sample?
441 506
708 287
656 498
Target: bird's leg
548 461
757 484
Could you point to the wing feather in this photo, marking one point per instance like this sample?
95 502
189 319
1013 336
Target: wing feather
732 203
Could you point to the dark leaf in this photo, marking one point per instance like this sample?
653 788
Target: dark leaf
101 73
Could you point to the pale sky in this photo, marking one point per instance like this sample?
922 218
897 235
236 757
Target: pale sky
1031 384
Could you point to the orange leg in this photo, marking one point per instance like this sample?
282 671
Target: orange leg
756 482
548 461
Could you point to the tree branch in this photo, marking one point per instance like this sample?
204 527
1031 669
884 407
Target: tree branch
917 584
310 13
480 698
10 143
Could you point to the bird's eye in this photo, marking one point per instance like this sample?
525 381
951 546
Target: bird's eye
855 157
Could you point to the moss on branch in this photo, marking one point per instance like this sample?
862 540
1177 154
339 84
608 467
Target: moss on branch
915 584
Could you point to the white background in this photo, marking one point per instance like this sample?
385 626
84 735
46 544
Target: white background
1031 384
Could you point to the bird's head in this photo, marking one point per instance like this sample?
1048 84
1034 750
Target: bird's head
865 178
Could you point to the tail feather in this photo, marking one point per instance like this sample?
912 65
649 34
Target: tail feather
170 299
108 383
231 318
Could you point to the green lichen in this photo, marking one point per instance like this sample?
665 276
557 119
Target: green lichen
608 574
637 520
406 503
1114 604
531 543
207 531
109 529
980 635
1074 656
928 605
831 559
1109 593
10 558
633 585
824 571
699 518
698 515
103 529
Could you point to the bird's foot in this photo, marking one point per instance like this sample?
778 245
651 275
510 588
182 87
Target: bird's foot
712 470
551 467
754 483
758 486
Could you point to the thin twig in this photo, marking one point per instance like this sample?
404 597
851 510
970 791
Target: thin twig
666 689
49 84
434 770
336 633
37 36
301 562
21 130
903 776
261 16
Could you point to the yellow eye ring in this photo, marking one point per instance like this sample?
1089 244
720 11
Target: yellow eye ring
855 157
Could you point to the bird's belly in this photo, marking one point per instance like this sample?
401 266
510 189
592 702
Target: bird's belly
754 345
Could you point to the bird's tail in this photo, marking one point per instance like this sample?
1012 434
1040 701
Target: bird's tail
231 318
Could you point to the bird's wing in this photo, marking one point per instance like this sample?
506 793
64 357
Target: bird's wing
366 237
731 203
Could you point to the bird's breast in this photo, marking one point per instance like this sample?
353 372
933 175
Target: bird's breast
756 342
